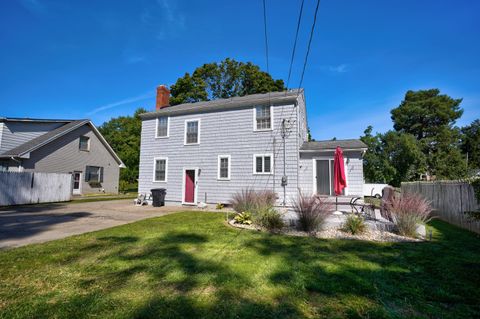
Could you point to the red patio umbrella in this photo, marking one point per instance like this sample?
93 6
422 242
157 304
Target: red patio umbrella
339 180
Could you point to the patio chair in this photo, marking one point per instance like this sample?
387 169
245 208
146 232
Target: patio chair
140 200
366 210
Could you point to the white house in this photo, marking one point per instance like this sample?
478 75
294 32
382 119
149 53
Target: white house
207 151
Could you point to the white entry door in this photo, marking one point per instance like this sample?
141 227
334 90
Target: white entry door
77 183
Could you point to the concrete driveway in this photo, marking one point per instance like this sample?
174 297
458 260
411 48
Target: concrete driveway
23 225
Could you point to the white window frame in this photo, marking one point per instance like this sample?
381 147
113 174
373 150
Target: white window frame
229 167
263 164
185 132
255 119
88 143
155 159
168 127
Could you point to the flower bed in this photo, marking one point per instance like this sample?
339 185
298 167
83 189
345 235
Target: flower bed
335 233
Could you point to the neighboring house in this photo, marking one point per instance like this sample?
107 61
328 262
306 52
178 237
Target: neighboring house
207 151
60 146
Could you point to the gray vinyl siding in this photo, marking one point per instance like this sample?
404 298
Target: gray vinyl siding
17 133
229 132
354 171
63 156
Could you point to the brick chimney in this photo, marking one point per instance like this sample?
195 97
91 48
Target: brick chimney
163 97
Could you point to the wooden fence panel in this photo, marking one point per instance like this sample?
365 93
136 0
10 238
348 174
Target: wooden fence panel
31 188
450 200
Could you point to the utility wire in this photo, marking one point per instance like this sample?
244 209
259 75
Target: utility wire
265 32
308 48
295 44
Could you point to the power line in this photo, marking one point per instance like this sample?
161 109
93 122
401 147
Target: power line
295 44
265 32
308 48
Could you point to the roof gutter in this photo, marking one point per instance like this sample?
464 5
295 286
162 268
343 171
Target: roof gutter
333 149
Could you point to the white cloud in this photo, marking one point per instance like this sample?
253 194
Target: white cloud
165 19
342 68
121 102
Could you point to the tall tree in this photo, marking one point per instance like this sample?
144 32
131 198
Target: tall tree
123 135
423 113
470 144
223 80
430 117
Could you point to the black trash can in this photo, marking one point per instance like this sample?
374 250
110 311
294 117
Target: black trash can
158 195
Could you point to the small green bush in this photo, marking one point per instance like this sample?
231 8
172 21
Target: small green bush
270 219
244 218
219 206
354 225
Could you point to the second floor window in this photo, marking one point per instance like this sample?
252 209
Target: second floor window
84 143
263 118
192 129
162 126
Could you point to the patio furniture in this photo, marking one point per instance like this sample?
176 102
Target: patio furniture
366 210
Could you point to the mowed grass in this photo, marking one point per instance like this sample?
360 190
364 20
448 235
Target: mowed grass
193 265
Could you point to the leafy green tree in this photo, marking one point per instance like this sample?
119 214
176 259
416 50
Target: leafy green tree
470 143
123 135
376 166
423 113
430 117
405 155
226 79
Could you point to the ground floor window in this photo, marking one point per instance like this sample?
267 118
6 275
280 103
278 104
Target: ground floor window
160 169
224 167
263 164
94 174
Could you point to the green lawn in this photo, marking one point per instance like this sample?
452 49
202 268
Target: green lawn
193 265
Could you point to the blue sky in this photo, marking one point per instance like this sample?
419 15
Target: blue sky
101 59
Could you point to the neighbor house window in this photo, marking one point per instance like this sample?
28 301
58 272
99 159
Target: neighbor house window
192 132
162 126
84 143
94 174
160 170
263 118
263 164
224 167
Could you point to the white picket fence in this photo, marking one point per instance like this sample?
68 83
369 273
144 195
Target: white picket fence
31 188
450 200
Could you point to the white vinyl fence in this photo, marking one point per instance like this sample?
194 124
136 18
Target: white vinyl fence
31 188
450 200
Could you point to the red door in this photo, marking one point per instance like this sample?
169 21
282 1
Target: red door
190 186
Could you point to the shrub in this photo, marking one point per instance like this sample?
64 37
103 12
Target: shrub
311 211
219 206
354 225
270 219
243 218
123 186
249 200
407 211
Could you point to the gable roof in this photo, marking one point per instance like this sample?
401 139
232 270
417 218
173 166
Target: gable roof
289 96
30 146
331 145
26 119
